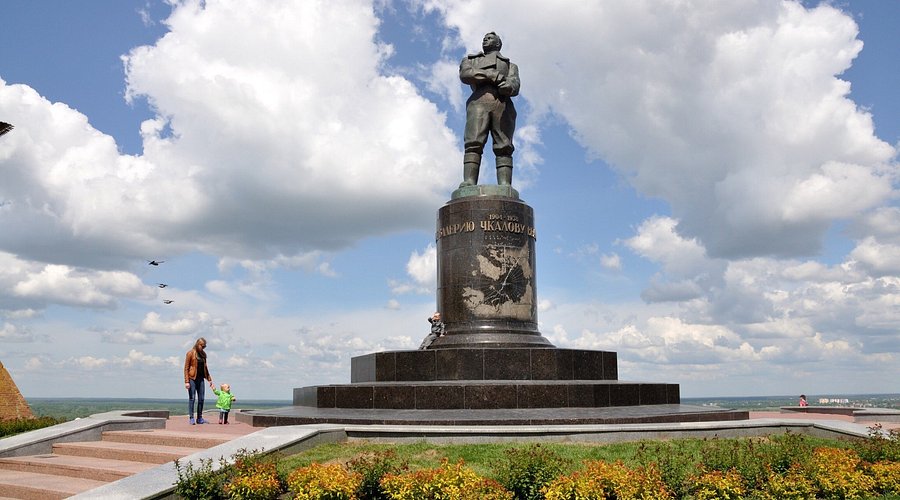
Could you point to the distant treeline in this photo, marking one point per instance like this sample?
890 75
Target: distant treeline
72 408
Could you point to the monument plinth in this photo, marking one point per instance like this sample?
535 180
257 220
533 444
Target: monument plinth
492 355
486 286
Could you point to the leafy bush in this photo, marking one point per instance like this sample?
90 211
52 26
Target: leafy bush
253 476
447 482
601 479
782 452
576 486
526 471
755 458
879 447
886 476
792 484
372 467
717 485
836 474
261 486
323 482
20 425
641 482
745 457
674 460
201 483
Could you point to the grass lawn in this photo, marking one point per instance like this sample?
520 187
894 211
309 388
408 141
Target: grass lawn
483 458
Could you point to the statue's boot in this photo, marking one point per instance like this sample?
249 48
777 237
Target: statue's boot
504 170
471 167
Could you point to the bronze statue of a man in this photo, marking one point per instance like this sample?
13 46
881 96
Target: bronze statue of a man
494 80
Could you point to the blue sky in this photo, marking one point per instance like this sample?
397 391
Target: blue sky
714 186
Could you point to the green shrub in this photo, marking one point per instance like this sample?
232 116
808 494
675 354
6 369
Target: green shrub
323 482
20 425
372 467
253 476
836 474
201 483
783 452
716 485
261 486
675 461
525 471
447 482
791 484
600 479
750 458
576 486
879 447
886 476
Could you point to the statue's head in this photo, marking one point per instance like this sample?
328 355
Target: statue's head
491 42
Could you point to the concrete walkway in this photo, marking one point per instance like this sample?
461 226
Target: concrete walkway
180 423
785 415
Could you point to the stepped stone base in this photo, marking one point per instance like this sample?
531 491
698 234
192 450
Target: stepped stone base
301 415
469 394
538 363
473 378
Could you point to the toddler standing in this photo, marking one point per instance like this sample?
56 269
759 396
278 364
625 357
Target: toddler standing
224 401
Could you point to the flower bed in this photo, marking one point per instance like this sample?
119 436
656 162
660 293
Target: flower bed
788 466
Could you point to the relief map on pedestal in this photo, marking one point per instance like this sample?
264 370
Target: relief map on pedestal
505 278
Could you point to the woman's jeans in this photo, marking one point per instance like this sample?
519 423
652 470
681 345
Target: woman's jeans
199 387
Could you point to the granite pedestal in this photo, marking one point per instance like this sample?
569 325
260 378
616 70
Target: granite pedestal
487 286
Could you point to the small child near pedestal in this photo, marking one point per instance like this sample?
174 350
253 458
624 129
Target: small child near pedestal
224 402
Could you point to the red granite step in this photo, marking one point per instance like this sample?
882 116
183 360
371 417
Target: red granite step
168 438
100 469
30 485
150 453
74 468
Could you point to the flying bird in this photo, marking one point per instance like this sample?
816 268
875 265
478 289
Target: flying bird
168 301
162 285
155 262
5 127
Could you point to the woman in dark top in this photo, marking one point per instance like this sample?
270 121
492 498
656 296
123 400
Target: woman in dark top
195 371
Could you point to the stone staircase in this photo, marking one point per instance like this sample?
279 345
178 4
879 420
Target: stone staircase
76 467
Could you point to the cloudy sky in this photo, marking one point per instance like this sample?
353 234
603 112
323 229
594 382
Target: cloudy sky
715 187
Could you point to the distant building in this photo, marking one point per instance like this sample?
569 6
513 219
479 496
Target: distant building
837 401
12 404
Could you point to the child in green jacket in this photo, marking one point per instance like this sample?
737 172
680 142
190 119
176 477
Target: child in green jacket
224 401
